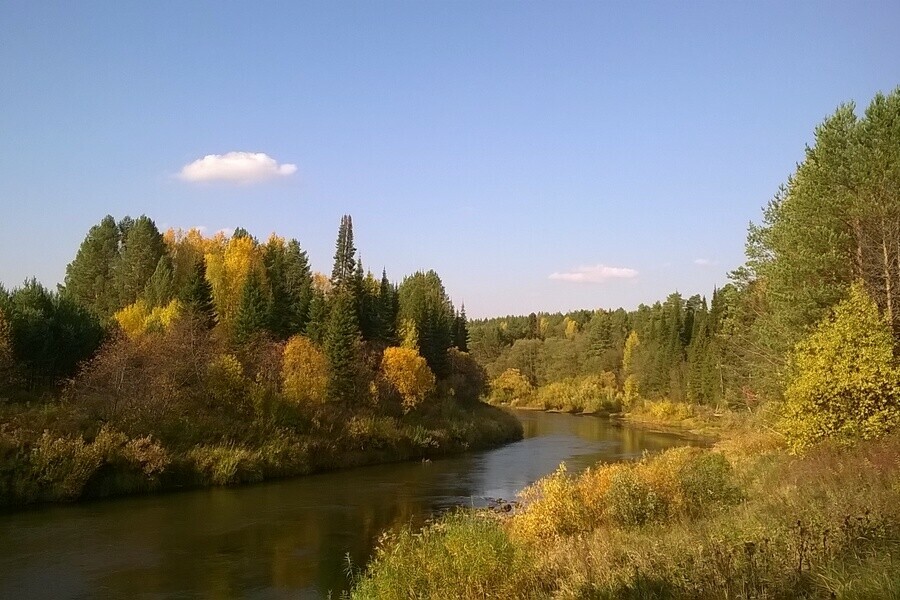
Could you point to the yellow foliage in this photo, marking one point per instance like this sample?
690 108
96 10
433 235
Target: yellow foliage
510 386
225 379
409 335
408 373
228 264
571 328
304 372
137 319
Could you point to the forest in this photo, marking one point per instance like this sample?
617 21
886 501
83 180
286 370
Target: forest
792 368
171 359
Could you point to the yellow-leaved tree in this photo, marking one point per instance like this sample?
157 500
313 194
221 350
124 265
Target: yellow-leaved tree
408 373
845 382
228 265
138 318
304 372
510 385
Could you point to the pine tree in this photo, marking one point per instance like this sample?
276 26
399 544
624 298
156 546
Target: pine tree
142 247
89 277
341 347
196 296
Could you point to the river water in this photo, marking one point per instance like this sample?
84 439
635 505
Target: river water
284 539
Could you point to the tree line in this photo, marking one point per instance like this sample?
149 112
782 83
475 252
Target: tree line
811 320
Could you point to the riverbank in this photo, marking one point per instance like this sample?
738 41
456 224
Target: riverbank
44 457
743 519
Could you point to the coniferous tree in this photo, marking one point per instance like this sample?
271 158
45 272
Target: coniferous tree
344 256
461 331
89 279
341 347
142 247
196 296
160 288
298 283
253 311
317 324
424 301
387 311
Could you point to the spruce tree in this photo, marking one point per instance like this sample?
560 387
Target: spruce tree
196 296
298 283
253 311
461 331
344 255
341 347
317 324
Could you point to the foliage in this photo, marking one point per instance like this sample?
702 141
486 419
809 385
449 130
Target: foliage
304 372
457 557
846 385
509 386
408 373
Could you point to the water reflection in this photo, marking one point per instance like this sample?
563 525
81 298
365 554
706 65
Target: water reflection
281 539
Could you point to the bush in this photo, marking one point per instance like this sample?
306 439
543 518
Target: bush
509 387
460 556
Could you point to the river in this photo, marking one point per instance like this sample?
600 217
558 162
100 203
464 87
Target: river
282 539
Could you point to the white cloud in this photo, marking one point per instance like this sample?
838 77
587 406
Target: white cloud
705 262
595 274
236 167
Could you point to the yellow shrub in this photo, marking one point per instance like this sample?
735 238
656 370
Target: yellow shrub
304 372
408 373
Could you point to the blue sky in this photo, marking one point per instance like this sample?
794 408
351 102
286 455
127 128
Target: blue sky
539 156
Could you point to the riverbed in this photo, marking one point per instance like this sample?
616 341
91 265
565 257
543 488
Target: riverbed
285 539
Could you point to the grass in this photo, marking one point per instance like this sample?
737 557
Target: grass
46 455
744 519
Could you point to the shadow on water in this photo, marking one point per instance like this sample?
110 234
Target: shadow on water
285 539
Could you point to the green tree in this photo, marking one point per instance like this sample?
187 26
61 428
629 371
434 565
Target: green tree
298 284
461 330
160 288
341 346
141 249
424 301
845 384
89 279
344 255
196 296
253 311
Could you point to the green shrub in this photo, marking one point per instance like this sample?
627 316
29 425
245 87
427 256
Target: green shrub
461 556
632 501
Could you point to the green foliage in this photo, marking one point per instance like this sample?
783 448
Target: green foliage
457 557
89 277
141 249
342 349
846 385
344 256
196 296
50 334
253 311
424 302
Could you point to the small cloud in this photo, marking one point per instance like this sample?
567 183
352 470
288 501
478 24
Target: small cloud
705 262
236 167
595 274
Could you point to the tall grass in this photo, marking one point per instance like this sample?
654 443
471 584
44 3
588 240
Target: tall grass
743 520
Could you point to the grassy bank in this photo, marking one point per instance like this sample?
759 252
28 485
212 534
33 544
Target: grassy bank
47 456
743 519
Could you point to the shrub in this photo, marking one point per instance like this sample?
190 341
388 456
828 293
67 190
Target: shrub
510 386
408 373
460 556
304 372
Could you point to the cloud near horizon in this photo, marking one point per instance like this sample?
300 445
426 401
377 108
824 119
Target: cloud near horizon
704 262
236 167
595 274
